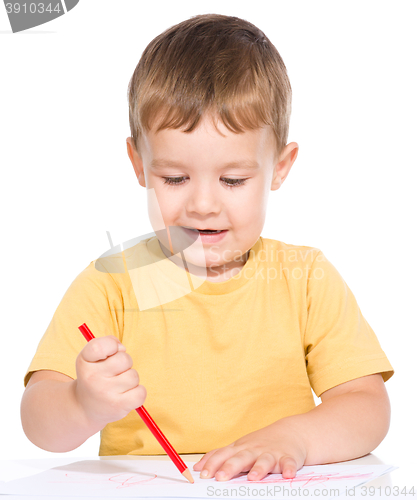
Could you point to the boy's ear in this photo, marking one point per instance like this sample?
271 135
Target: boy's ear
136 161
284 164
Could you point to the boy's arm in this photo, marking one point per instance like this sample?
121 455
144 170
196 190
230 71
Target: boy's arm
357 416
58 413
51 416
351 421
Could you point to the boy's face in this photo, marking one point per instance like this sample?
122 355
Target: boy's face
202 166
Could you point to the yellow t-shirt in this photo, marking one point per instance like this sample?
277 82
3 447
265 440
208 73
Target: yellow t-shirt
223 359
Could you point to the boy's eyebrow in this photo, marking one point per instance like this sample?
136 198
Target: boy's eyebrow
160 163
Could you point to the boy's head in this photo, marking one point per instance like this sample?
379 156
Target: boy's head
207 93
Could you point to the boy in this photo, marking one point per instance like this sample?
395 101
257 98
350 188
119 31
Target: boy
228 365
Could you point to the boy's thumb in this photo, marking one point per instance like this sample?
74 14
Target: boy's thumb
121 347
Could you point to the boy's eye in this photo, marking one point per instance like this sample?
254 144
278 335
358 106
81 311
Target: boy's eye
175 181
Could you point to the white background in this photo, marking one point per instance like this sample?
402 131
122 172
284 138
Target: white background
67 179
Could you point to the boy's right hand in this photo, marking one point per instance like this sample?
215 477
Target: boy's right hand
107 387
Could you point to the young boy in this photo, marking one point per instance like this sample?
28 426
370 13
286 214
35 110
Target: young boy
229 361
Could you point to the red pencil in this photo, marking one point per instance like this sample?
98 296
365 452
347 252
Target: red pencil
156 431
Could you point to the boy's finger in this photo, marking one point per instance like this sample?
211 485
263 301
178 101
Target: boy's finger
264 464
101 348
115 365
198 465
215 461
288 467
126 381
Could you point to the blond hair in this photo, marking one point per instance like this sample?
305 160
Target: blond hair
216 64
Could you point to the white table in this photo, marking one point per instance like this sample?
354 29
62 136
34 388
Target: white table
405 476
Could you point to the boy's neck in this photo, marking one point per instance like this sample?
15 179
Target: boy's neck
217 275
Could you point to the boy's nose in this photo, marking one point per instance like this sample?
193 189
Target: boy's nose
203 200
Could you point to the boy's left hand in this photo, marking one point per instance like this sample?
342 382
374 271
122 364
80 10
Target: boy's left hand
274 449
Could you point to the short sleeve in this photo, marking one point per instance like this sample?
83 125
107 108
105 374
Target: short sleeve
92 298
339 344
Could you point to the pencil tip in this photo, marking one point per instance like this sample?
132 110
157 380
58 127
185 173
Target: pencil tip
187 475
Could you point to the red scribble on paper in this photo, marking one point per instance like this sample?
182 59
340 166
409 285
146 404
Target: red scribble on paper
125 479
308 479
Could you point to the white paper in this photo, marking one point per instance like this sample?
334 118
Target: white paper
157 478
16 469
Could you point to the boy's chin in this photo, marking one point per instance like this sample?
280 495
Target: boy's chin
200 266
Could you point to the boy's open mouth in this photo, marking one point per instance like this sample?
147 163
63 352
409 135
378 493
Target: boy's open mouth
206 231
